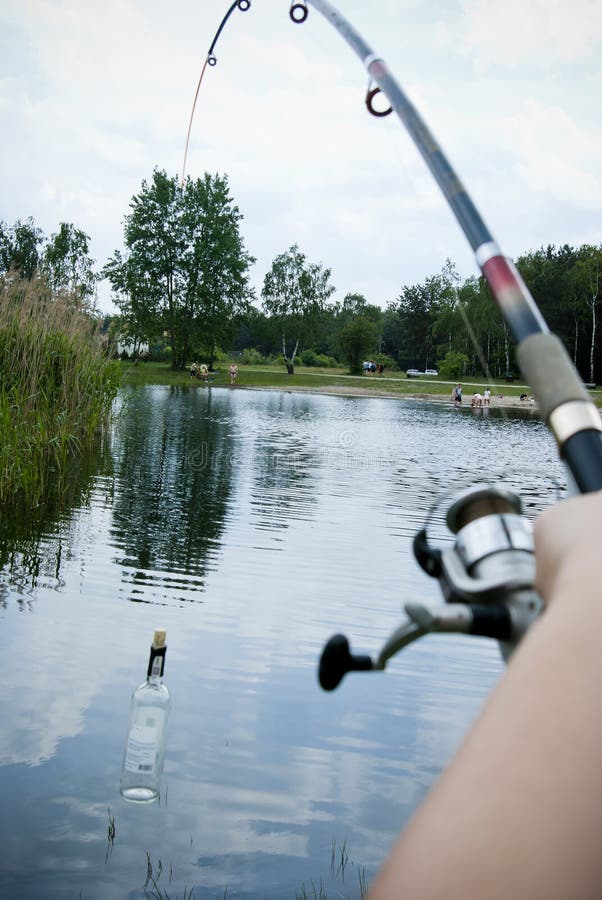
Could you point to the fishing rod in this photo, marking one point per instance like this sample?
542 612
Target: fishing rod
210 60
487 577
561 396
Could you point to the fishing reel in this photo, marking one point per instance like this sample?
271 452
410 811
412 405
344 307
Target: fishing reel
486 578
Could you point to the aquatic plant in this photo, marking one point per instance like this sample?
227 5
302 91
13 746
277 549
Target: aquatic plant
56 385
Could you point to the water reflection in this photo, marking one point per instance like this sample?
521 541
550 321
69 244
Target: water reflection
174 464
290 517
34 540
286 463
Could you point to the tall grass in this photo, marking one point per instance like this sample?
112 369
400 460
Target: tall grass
56 386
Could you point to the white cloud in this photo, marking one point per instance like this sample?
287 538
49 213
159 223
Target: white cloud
96 98
521 30
550 149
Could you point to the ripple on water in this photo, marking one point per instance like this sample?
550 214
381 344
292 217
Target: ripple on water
252 525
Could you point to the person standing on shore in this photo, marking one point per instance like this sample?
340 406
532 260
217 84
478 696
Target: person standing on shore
457 395
233 373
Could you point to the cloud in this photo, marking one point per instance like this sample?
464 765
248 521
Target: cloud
520 30
96 98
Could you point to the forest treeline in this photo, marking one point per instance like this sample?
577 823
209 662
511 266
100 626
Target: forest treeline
182 286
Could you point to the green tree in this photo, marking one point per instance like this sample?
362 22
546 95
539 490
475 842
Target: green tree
295 294
138 297
216 259
412 318
19 248
453 365
255 331
564 282
358 339
547 273
588 277
66 262
470 323
185 270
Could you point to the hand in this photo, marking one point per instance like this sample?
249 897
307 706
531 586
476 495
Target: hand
567 547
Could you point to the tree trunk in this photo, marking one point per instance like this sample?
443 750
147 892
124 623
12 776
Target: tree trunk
506 349
593 304
289 362
593 344
172 324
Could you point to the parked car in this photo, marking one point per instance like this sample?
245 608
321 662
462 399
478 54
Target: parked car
431 372
413 373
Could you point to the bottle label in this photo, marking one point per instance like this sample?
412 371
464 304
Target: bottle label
143 742
156 661
156 665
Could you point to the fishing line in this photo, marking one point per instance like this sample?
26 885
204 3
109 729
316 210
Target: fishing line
479 351
571 416
210 60
198 87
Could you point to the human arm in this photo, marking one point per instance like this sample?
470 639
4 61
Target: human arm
518 812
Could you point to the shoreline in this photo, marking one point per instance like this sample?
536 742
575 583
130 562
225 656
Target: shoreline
497 402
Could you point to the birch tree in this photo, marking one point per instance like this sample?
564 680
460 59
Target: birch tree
295 294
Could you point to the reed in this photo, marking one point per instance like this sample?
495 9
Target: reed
56 386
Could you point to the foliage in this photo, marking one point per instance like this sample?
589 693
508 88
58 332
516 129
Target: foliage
56 385
415 314
19 248
386 361
311 359
565 283
357 339
295 294
446 314
185 270
182 283
252 357
66 262
453 365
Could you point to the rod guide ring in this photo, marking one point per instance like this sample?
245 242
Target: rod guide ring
298 13
379 113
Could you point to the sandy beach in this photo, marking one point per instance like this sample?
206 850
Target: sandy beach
497 402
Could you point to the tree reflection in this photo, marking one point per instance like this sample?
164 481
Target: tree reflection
285 466
174 459
33 539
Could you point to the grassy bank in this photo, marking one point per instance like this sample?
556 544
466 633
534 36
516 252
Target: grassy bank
393 384
275 377
56 387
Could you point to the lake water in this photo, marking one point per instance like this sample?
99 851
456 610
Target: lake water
251 525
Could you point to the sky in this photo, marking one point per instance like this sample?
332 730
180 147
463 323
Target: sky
94 96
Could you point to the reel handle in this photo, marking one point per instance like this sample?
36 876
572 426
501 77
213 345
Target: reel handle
337 660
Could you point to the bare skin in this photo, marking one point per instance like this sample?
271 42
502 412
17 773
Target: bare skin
518 812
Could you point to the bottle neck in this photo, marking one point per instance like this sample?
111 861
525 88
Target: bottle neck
156 664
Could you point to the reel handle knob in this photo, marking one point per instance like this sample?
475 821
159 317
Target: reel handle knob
337 660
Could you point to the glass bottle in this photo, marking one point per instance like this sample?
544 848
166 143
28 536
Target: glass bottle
147 729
